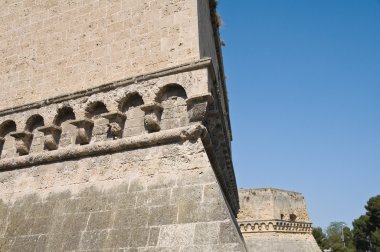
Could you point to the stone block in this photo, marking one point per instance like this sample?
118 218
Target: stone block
132 217
212 194
119 238
93 239
18 225
99 220
122 200
42 209
184 194
73 223
92 204
139 237
163 215
207 233
193 212
156 197
41 225
176 235
154 232
228 232
25 243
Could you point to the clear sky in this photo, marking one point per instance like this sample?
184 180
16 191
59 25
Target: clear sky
304 89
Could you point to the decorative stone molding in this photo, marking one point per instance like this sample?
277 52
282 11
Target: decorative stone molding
200 109
197 107
52 135
116 123
23 140
205 63
278 226
153 112
84 133
100 148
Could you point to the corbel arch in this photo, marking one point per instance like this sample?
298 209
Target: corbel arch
130 106
36 142
7 148
95 109
67 133
172 98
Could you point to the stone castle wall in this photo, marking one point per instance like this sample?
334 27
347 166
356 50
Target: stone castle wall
114 128
272 204
50 48
133 167
275 220
151 199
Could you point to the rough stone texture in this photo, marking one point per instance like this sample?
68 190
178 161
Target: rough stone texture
270 204
281 243
275 220
72 45
114 128
135 199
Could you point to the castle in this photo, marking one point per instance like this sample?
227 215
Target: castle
114 128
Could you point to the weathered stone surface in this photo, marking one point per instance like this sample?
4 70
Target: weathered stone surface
113 128
109 214
269 204
275 220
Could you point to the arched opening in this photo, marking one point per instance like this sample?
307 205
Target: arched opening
64 114
131 101
63 118
173 100
7 127
171 91
130 106
95 109
34 122
7 148
37 141
100 131
292 217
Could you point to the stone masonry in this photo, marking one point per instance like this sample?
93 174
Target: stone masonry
114 128
275 220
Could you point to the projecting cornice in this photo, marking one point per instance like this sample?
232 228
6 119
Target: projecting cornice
101 148
191 66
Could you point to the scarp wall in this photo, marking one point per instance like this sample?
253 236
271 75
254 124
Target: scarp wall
275 220
114 128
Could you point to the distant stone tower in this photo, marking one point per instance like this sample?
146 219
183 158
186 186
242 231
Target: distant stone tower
114 128
275 220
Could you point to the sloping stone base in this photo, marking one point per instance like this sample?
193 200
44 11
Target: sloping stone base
163 198
281 243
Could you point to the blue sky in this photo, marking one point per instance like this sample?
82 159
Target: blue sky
304 90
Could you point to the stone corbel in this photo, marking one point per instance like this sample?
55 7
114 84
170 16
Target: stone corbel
197 107
152 117
84 133
116 123
52 135
23 140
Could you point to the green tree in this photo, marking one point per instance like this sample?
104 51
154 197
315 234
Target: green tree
339 238
361 233
373 211
366 233
320 237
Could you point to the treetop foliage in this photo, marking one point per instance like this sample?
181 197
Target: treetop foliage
364 237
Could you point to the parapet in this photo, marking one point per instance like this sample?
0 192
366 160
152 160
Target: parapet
275 220
272 204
